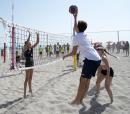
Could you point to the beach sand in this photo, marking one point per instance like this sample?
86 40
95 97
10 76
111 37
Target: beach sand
55 86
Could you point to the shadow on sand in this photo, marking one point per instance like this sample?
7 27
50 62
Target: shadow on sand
9 103
96 108
92 91
49 81
65 72
68 70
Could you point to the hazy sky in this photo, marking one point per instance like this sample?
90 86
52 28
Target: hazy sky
53 16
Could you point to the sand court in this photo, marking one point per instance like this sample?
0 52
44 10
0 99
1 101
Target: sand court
55 85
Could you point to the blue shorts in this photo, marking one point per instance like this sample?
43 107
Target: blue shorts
89 68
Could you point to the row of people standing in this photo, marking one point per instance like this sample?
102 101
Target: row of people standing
55 49
118 46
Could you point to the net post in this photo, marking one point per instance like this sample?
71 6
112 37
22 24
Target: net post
13 48
4 52
118 36
47 39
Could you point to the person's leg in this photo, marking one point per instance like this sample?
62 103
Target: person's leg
88 70
128 52
56 54
41 55
100 78
83 88
108 88
30 80
25 82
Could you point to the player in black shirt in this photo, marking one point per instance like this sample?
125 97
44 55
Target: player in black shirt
28 54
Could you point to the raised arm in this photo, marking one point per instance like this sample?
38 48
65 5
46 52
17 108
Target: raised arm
36 41
75 29
28 36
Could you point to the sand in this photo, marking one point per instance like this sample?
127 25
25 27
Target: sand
55 86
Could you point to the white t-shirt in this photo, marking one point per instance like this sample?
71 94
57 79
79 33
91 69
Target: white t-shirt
86 49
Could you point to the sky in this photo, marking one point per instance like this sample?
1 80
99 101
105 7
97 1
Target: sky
53 16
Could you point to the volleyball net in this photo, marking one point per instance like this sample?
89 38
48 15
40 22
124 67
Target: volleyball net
51 46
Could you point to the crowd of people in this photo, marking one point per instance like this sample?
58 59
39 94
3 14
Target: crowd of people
118 46
55 49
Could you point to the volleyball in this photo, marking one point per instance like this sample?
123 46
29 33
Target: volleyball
73 9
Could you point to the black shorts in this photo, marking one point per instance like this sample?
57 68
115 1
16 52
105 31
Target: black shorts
29 64
89 68
104 72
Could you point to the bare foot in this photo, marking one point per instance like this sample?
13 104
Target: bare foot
76 102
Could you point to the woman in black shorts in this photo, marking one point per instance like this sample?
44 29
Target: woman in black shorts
104 72
28 54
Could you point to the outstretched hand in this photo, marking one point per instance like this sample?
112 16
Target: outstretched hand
75 14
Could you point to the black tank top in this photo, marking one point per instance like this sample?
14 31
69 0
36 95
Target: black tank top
29 55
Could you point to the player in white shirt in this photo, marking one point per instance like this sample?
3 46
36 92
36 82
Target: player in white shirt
91 59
